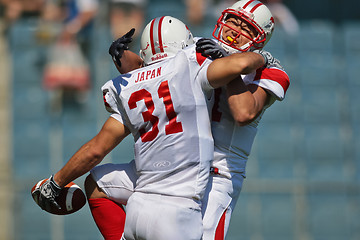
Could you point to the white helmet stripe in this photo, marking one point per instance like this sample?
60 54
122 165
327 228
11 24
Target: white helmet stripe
155 35
247 4
256 6
252 5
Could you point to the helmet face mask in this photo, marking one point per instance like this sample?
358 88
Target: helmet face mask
162 38
255 15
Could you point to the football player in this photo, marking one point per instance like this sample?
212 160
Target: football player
164 105
245 26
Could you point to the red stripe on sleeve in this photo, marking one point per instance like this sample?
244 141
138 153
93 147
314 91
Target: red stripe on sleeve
200 58
159 35
274 74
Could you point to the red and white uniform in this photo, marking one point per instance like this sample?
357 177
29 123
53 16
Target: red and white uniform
165 106
232 148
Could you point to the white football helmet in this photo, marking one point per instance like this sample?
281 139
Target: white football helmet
253 12
162 38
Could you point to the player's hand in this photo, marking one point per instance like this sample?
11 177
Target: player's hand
48 193
269 59
209 48
118 46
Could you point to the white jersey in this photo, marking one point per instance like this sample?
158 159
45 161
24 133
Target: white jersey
233 142
232 148
164 105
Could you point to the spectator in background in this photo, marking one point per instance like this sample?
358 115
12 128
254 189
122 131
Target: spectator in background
126 14
195 11
79 16
283 16
75 18
14 9
220 5
67 65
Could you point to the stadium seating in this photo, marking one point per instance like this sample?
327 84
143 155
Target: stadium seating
327 220
174 8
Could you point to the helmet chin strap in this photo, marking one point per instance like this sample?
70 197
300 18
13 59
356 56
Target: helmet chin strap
246 46
228 49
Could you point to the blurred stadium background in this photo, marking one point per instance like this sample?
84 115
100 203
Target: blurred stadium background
303 175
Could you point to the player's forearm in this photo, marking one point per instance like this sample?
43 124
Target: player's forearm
221 71
241 102
80 163
246 102
92 152
251 62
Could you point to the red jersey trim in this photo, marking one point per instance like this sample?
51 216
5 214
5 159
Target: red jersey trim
220 229
200 58
274 74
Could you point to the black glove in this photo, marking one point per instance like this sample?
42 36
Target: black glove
118 46
209 48
48 192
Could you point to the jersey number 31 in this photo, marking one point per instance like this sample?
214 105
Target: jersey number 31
173 125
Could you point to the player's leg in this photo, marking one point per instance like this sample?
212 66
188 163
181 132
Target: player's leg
160 217
107 188
108 215
218 204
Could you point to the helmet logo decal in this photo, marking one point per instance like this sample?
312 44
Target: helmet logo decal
159 56
147 46
270 25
